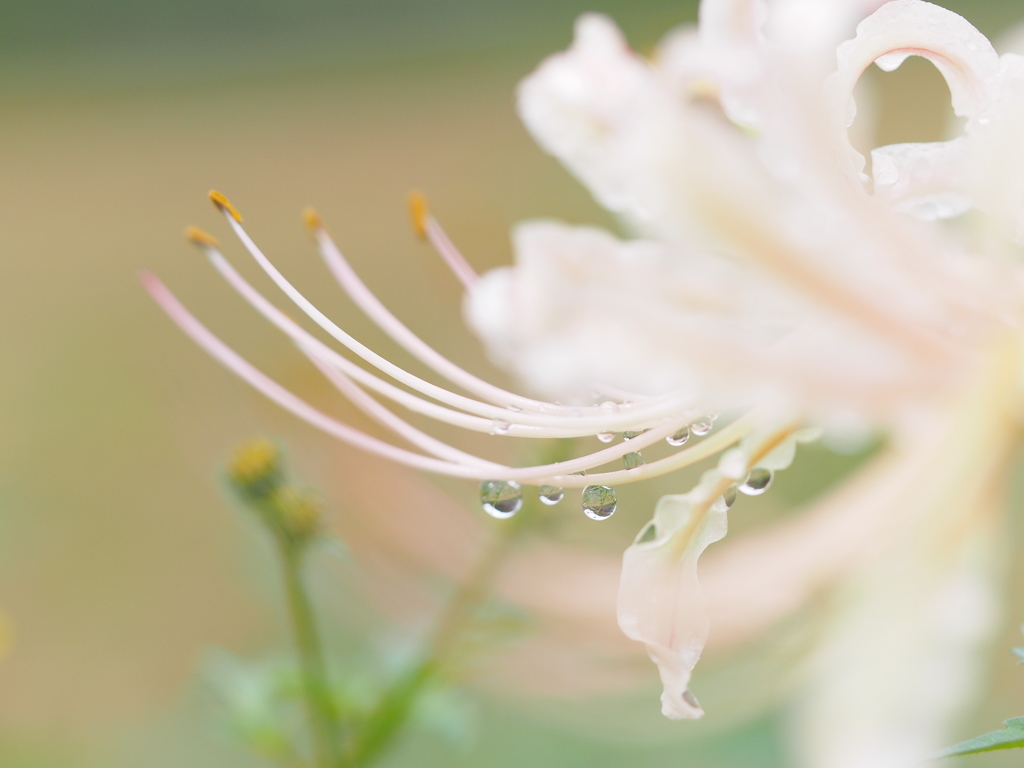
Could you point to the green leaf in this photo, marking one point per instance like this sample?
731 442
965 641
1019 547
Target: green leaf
1008 738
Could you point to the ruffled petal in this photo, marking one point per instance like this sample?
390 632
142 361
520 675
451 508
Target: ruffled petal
996 155
660 603
603 111
903 28
926 180
582 308
660 600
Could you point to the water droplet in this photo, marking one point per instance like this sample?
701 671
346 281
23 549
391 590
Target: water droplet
609 407
599 502
729 497
514 407
632 460
726 500
605 437
629 434
501 498
702 426
679 438
499 427
551 494
757 482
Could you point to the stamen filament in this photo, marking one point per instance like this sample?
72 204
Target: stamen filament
537 475
426 226
597 420
357 290
486 415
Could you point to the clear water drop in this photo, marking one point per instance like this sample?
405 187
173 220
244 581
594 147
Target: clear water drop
551 494
609 407
599 502
679 438
702 426
729 497
501 498
499 427
633 459
726 500
757 482
605 437
629 434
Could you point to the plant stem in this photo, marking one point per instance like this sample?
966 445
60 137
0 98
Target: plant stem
320 707
393 709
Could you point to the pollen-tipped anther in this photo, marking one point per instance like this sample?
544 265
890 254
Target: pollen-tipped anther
224 205
419 212
200 237
312 221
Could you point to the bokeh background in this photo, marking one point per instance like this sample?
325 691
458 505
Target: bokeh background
122 559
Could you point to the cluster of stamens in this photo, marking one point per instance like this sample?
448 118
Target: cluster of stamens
483 408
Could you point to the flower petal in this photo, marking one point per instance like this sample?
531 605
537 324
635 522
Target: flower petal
660 603
903 28
926 180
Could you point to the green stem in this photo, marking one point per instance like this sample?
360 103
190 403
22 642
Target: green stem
394 708
320 707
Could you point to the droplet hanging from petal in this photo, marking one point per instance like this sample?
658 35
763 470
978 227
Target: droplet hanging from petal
757 482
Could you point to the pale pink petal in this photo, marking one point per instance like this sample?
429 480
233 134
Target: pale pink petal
926 180
903 28
608 116
660 603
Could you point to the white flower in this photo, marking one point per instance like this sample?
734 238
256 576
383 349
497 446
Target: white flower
765 274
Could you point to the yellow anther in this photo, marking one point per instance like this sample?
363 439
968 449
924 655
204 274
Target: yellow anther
223 204
312 220
420 213
200 238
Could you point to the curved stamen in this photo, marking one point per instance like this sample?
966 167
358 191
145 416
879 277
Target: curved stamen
520 425
427 227
580 464
399 426
550 473
600 420
361 295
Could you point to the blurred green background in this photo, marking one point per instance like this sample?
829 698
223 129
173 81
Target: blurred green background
121 560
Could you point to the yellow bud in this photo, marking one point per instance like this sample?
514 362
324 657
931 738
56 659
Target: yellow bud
300 513
255 468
